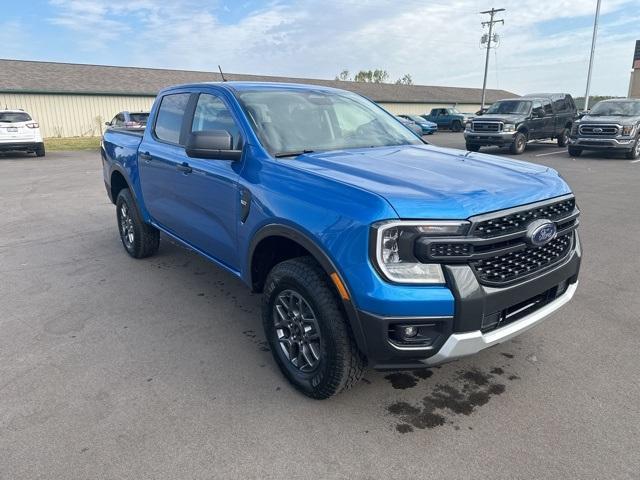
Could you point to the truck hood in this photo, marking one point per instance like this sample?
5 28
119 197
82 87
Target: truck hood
506 118
428 182
620 120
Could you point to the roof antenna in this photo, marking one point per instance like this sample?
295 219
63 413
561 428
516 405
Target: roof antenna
222 74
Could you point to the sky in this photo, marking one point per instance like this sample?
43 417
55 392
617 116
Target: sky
544 44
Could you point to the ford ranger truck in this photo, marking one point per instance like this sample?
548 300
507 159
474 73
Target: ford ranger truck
611 125
370 246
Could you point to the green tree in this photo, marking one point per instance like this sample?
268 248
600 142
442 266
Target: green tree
343 76
405 80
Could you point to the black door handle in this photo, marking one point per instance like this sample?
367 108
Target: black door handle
144 156
184 167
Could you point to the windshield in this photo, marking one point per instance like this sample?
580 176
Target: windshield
621 109
292 120
139 117
416 118
510 107
454 111
14 117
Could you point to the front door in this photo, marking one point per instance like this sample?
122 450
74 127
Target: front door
209 187
536 123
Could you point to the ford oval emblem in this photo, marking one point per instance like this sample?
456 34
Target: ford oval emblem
597 130
541 232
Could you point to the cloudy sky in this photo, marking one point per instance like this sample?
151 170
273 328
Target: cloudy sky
544 44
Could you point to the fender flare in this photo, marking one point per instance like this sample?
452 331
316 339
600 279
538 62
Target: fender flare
327 264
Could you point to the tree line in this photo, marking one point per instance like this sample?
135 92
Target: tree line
373 76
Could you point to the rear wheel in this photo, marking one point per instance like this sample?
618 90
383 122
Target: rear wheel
635 151
519 144
307 331
139 239
575 152
472 147
563 139
456 126
40 151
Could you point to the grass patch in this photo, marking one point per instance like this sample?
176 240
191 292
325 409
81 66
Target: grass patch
72 143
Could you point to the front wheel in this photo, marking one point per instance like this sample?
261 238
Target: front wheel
519 144
472 147
563 139
139 239
635 151
456 126
575 152
307 331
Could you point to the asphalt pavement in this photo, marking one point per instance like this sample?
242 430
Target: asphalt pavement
118 368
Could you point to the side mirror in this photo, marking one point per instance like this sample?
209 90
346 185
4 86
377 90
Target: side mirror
108 124
212 144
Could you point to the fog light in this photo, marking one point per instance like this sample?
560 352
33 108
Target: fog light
409 331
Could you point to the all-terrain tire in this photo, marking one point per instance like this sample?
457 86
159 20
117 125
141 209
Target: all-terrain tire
519 144
472 147
635 151
563 139
456 126
40 152
139 239
575 152
341 365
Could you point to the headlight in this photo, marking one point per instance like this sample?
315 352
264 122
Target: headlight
468 125
627 130
509 127
574 128
394 249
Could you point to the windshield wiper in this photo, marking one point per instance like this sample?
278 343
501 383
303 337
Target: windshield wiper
292 154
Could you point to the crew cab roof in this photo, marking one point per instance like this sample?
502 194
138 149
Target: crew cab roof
247 85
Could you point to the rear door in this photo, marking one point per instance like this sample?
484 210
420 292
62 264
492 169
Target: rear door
160 157
564 110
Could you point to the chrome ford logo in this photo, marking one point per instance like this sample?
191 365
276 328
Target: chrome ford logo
541 232
597 130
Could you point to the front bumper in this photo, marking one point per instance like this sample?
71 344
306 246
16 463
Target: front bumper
598 143
466 332
489 138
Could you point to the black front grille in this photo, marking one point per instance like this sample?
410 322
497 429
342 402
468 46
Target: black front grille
516 265
517 221
497 247
486 126
599 130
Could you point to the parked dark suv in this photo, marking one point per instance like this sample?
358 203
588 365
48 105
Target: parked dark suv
513 122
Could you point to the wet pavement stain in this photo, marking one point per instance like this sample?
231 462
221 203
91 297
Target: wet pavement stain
470 390
508 355
402 381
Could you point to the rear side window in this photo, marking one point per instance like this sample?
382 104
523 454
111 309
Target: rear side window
139 117
560 105
547 107
14 117
212 114
170 115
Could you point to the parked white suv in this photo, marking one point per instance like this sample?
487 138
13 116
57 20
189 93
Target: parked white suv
18 132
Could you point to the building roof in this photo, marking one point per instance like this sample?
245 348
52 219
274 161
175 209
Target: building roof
20 76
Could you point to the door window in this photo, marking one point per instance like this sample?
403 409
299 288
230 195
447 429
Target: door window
118 120
548 110
170 115
560 105
537 107
212 114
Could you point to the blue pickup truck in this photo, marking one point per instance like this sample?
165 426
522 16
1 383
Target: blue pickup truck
370 246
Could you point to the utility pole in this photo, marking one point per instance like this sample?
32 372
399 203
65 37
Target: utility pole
593 49
490 23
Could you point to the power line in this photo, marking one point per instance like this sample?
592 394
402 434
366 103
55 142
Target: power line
489 39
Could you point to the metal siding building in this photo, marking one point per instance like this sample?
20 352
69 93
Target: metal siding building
70 100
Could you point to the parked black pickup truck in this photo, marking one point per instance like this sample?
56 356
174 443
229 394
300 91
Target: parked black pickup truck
611 125
513 122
